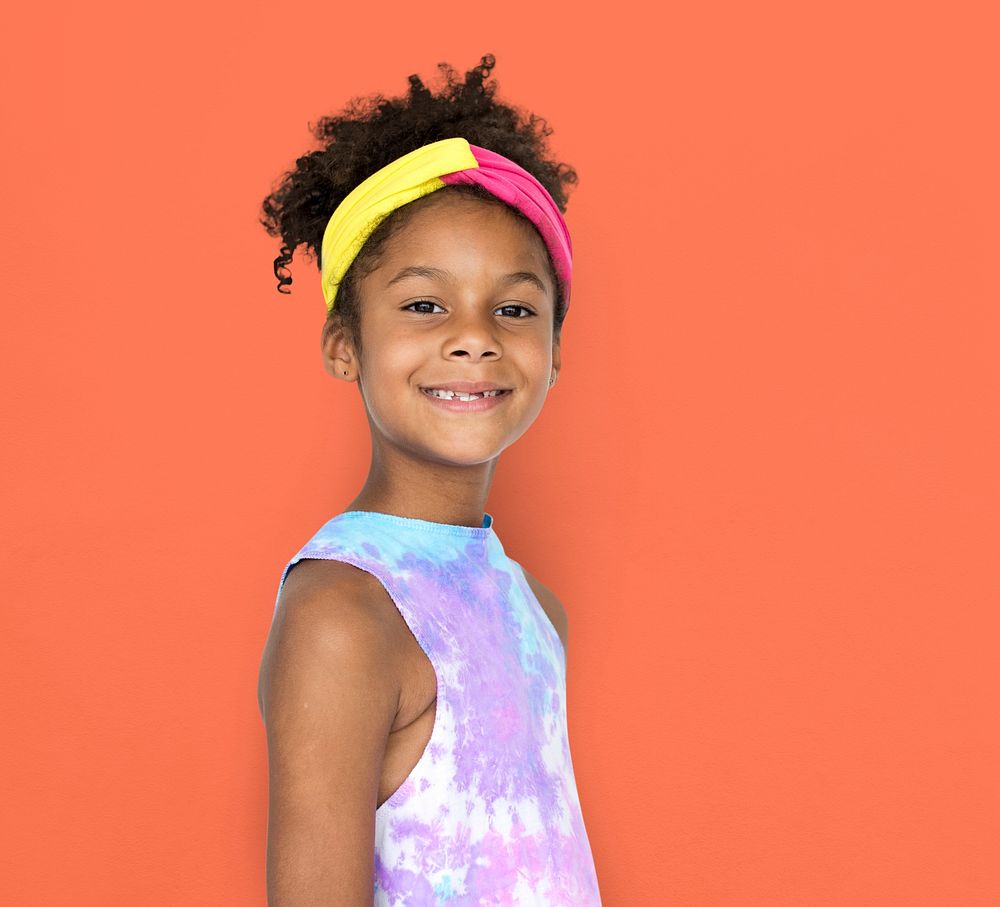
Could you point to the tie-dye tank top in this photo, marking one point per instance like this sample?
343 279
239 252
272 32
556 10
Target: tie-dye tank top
490 814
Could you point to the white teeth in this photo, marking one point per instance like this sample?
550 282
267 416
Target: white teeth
449 395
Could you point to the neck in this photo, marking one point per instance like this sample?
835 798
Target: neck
426 490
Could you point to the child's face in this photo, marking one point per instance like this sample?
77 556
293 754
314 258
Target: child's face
469 327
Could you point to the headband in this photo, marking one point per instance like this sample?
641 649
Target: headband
425 170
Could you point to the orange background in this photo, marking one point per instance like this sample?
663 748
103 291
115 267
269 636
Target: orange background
765 486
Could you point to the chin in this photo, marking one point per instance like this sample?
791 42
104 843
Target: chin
459 454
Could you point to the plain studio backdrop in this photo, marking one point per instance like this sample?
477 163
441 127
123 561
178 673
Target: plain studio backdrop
765 486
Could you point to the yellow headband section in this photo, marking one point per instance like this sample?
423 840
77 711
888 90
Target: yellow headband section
397 184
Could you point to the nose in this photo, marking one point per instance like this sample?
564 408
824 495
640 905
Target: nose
473 337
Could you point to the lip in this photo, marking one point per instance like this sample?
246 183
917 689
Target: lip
467 406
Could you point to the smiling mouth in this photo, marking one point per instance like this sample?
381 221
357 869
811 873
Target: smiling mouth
455 395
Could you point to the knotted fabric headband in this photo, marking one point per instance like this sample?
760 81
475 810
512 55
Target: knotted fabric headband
427 169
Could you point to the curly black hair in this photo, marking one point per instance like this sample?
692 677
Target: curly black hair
371 133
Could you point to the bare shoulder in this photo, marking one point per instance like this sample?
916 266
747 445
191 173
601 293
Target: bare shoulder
329 693
329 608
551 605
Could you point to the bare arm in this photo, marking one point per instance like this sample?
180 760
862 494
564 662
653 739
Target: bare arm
328 696
552 607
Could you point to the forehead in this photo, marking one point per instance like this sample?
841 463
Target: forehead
449 225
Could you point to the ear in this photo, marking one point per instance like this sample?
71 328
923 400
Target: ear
556 359
339 359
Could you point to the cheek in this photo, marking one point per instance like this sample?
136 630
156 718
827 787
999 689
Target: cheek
392 372
537 359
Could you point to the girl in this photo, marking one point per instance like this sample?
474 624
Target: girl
413 684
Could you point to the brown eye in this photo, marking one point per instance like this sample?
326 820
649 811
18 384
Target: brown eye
513 306
409 307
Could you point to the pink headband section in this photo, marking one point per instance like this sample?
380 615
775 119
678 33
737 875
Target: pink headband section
512 184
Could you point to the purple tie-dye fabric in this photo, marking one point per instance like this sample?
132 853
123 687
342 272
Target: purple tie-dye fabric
490 815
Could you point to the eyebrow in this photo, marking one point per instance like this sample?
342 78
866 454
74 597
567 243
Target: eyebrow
439 274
